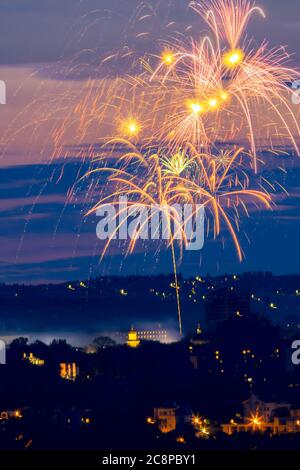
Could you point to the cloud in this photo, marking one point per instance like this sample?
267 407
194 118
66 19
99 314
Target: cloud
42 238
50 30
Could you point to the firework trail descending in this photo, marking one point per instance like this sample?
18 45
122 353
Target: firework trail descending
152 190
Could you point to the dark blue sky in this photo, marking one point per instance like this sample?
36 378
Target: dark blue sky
43 239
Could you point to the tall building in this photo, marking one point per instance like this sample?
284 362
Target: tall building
223 304
196 346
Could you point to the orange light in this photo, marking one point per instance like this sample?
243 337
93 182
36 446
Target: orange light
233 58
213 103
256 421
195 107
130 127
167 57
150 420
224 95
205 431
196 420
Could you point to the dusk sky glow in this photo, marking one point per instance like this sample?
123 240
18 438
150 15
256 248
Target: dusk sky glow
48 51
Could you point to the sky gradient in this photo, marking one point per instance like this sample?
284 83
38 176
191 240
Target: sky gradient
48 49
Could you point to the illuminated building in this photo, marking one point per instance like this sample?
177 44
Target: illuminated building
132 339
260 416
165 418
256 406
33 359
169 416
68 370
153 335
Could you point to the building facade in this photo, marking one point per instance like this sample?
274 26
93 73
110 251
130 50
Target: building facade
134 337
170 416
260 416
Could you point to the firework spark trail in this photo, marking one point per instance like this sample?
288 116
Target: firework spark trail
228 19
206 80
154 188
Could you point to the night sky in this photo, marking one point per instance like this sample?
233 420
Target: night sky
42 239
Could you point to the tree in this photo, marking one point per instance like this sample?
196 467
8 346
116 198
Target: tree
19 344
103 342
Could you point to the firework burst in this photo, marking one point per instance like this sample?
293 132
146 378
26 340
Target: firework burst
224 78
156 181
